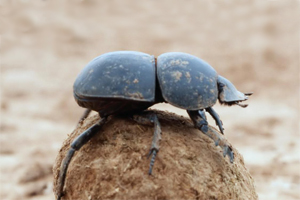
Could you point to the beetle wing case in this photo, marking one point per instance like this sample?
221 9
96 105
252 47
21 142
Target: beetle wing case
126 75
187 81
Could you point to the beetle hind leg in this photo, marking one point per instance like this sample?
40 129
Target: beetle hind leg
81 140
146 118
199 119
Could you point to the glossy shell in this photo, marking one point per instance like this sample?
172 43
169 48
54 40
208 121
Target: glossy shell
119 75
187 81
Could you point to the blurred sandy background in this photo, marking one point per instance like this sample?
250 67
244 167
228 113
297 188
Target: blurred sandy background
44 45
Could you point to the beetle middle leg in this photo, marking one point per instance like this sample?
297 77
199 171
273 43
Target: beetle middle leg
81 140
199 119
146 118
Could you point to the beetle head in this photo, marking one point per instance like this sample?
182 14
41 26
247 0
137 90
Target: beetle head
229 95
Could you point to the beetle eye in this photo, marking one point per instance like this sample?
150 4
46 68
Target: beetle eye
221 85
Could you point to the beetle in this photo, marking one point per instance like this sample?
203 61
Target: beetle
129 82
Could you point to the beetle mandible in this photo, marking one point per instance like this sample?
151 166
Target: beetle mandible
129 82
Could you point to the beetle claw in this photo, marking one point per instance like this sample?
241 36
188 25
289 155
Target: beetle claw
217 142
201 123
228 151
146 118
153 152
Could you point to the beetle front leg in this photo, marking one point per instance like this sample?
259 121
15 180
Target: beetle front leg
216 117
199 119
146 118
81 140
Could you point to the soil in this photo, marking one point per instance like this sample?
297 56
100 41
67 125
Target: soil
45 44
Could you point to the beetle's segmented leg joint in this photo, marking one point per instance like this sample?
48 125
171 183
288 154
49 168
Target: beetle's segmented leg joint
216 117
151 117
201 123
154 153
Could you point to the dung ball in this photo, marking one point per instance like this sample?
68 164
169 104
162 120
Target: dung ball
114 163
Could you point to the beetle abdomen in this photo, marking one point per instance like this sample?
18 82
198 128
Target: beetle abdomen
187 81
120 75
106 107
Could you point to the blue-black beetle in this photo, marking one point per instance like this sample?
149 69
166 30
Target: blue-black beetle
128 82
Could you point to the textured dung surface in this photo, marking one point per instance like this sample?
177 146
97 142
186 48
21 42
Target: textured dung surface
188 166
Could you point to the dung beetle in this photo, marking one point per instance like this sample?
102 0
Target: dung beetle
129 82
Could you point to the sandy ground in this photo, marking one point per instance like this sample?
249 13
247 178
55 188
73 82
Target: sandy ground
45 44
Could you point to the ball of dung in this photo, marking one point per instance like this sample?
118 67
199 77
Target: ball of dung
114 163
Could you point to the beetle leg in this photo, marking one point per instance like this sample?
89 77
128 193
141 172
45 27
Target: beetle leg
151 118
216 117
199 119
85 114
81 140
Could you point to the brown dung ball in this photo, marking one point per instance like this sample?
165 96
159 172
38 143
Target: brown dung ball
114 164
